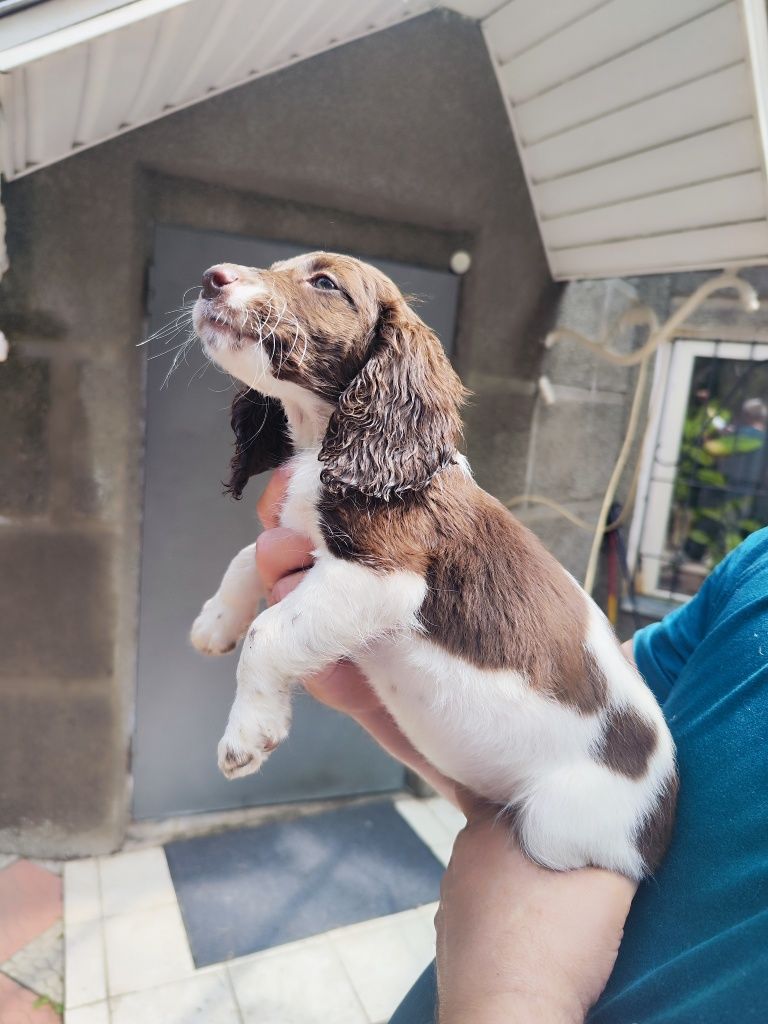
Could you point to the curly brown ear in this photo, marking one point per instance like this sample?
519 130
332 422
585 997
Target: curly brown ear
398 422
262 440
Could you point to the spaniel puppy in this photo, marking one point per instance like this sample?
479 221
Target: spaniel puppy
488 655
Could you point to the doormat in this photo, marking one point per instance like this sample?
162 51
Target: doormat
254 888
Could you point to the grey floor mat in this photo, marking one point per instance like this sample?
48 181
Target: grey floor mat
253 888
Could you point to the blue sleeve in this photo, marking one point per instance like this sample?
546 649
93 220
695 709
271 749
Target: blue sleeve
662 649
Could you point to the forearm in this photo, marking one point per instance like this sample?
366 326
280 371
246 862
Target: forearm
517 943
521 1007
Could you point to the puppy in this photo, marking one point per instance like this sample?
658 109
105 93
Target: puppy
489 656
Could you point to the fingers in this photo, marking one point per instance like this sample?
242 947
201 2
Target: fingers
270 503
280 553
343 687
285 586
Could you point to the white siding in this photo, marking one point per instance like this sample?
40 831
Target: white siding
638 129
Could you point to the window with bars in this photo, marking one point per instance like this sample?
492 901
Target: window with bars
704 477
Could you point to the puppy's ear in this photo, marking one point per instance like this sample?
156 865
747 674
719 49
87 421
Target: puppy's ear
262 440
398 422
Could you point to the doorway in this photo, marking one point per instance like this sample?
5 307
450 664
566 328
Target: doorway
190 533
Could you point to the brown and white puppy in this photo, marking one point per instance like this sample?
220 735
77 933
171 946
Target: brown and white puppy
491 659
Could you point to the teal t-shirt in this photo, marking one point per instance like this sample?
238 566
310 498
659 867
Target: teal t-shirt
695 949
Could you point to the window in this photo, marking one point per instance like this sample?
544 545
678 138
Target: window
704 475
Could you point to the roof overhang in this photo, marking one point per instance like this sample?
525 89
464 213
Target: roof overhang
642 127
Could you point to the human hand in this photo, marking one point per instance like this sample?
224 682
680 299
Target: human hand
283 558
518 943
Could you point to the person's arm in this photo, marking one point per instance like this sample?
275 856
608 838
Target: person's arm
519 943
516 943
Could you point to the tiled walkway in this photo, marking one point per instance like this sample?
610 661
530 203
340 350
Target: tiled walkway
128 960
31 942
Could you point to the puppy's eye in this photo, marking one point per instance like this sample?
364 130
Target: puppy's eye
324 283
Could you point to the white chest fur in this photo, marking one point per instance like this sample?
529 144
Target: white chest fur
300 509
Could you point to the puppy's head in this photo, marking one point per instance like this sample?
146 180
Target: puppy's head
330 327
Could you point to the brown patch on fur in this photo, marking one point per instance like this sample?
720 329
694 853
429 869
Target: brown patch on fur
627 742
397 423
656 831
496 597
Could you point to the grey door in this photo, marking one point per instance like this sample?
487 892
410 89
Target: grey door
190 532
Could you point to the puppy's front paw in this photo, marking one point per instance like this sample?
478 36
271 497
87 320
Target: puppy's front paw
217 628
249 740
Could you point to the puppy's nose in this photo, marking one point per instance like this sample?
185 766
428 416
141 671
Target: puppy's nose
216 278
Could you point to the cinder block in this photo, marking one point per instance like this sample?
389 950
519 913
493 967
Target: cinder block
497 427
55 756
591 307
56 605
24 457
575 446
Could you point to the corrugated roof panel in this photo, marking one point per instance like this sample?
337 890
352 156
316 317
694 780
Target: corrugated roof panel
133 64
153 64
242 61
638 130
204 63
54 92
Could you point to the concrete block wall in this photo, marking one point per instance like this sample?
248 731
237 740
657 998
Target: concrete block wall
397 146
574 443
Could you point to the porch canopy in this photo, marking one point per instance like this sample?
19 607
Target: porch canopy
642 126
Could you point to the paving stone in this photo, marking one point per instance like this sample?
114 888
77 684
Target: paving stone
40 964
30 903
56 867
18 1005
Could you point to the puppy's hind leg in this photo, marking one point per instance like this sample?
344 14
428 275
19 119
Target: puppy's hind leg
579 816
226 616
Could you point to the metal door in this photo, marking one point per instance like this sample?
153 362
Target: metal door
190 532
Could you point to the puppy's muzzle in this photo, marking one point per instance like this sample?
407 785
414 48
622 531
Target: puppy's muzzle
216 279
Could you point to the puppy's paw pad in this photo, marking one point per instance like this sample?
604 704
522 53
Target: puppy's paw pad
216 630
236 764
239 757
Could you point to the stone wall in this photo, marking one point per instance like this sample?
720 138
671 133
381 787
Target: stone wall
397 146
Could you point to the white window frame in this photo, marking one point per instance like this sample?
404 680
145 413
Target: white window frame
673 371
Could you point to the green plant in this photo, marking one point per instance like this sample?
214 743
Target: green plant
706 521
